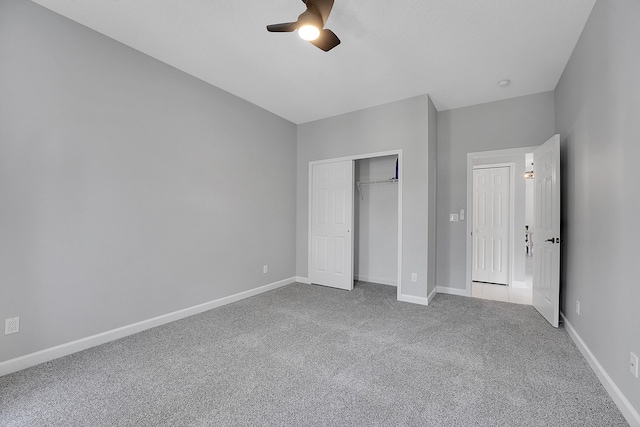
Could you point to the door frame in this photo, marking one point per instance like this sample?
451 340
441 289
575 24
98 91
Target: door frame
495 157
400 180
511 166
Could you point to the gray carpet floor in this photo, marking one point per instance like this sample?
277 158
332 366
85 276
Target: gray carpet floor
306 355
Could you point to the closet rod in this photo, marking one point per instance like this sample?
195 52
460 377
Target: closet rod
384 181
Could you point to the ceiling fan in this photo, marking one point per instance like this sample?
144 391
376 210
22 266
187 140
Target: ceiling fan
310 25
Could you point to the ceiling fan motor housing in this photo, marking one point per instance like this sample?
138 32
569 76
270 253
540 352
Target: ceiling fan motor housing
310 17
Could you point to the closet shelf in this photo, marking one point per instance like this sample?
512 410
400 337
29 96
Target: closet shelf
383 181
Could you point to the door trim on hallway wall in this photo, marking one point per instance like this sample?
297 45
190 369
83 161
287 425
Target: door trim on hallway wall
487 156
398 153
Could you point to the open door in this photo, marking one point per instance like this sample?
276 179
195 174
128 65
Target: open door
331 257
546 250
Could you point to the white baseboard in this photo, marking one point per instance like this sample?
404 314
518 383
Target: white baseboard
304 280
412 299
32 359
376 280
519 285
452 291
431 295
628 411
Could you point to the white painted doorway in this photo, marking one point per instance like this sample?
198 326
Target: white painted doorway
492 224
546 227
332 224
546 259
519 289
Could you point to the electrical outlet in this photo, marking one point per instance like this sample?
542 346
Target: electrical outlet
633 364
265 269
578 307
12 325
453 217
414 277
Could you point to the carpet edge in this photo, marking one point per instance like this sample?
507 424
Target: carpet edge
22 362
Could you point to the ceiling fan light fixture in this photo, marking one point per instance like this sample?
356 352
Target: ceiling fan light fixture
308 32
310 25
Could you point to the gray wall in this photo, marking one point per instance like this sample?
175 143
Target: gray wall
518 122
597 116
398 125
128 189
376 222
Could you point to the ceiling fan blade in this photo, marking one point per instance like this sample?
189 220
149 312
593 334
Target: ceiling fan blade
327 40
323 6
286 27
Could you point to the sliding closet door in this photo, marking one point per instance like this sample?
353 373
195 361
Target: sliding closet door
331 257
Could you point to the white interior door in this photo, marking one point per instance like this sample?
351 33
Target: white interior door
546 249
331 258
491 225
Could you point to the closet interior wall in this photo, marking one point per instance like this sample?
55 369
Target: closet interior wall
376 221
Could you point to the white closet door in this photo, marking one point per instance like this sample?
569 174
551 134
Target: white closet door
331 258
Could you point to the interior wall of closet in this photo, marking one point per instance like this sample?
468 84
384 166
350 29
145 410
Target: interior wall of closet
376 220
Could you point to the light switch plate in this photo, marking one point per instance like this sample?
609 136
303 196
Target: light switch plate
453 217
633 365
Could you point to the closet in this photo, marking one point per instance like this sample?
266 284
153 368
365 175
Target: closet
376 220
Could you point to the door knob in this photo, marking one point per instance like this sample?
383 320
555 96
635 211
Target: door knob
552 240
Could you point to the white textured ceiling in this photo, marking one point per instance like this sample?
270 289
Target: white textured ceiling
454 50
